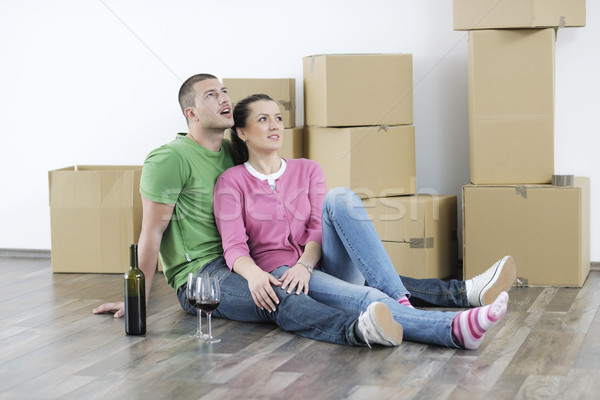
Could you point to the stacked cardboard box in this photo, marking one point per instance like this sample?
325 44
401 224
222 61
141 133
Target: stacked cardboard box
359 114
418 232
283 91
359 126
510 206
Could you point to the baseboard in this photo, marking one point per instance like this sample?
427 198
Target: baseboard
595 266
25 253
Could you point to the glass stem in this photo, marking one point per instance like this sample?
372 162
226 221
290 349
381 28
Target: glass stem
199 322
209 326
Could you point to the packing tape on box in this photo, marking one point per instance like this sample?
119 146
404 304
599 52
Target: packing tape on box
286 104
563 180
521 191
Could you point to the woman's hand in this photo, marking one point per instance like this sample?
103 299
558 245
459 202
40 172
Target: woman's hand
259 283
296 277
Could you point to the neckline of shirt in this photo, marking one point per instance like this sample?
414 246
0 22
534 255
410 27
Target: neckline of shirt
270 178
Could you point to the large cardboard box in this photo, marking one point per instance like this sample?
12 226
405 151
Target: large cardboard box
283 91
374 161
358 89
293 142
493 14
418 232
511 106
95 214
545 228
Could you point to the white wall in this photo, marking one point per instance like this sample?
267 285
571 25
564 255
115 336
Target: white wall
95 82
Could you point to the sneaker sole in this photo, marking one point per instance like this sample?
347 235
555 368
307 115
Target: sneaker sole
502 281
390 330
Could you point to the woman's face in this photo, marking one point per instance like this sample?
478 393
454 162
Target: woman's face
263 132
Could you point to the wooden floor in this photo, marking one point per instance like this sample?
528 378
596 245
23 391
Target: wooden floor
52 346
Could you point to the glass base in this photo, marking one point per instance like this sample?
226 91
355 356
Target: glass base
199 335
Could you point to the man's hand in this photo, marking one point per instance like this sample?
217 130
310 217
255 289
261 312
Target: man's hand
110 307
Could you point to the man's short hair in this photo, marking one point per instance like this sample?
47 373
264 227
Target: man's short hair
186 92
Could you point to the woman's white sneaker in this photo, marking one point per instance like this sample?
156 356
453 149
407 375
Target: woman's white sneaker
377 325
488 285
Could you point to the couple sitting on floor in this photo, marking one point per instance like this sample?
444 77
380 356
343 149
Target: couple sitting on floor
263 225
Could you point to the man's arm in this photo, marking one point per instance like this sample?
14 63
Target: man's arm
155 218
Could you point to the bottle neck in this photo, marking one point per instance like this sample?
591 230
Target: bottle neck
133 256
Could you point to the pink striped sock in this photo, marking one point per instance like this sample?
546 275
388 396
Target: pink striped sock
405 302
468 327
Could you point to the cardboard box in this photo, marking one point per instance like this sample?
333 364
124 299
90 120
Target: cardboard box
418 232
95 215
283 91
511 106
293 142
358 89
373 161
545 228
493 14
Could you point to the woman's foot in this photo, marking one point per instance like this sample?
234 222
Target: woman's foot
468 327
377 325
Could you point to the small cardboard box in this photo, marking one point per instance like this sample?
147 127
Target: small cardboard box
494 14
283 91
95 215
293 142
373 161
511 106
545 228
358 89
418 232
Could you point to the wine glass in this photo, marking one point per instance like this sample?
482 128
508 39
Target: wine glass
190 295
208 299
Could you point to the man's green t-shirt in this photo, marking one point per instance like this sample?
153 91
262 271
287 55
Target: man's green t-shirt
184 173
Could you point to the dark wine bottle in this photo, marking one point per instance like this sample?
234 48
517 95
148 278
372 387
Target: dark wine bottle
135 296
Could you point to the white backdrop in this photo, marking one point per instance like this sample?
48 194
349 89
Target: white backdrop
95 82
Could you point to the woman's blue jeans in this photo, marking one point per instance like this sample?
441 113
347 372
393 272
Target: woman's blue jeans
329 313
353 252
299 314
352 255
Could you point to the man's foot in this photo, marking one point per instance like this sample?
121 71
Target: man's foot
377 325
497 279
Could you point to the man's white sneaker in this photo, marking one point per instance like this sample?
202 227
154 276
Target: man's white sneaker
377 325
488 285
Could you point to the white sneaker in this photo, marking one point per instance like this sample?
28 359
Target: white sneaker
377 325
488 285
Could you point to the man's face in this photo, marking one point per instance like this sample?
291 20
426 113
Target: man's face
212 105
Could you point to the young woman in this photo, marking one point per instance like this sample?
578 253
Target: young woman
269 214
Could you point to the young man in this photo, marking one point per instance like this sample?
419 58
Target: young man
177 197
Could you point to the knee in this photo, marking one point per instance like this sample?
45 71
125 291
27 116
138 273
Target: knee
373 295
338 194
342 201
339 198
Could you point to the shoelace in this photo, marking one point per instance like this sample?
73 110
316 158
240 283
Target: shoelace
368 332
